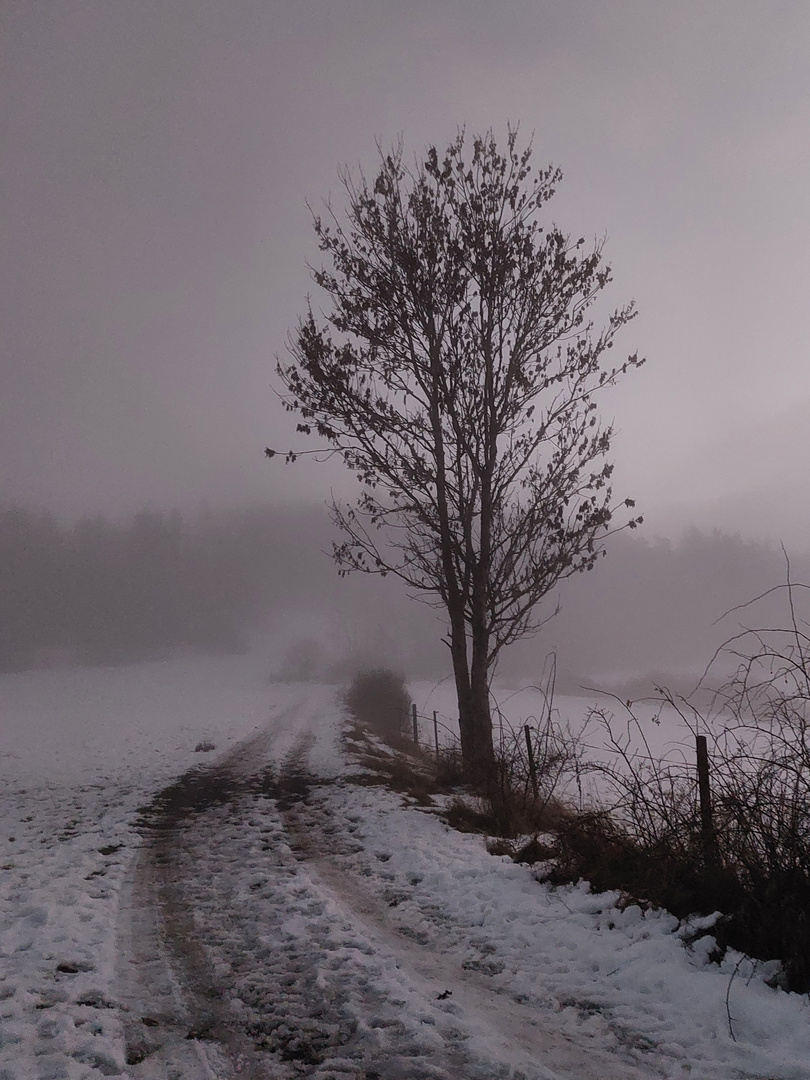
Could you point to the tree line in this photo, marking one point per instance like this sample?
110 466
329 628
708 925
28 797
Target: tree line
98 591
110 592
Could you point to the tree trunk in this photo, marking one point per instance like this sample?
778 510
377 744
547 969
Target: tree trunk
484 755
481 573
461 674
454 598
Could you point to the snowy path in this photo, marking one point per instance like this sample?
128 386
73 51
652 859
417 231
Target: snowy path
272 913
278 963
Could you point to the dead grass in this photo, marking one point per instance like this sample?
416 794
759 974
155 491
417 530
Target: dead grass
395 764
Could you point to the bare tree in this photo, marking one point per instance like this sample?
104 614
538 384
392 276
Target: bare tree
456 373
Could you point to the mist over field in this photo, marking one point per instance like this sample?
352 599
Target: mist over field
160 585
160 162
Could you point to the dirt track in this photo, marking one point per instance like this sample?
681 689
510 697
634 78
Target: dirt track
193 1030
288 972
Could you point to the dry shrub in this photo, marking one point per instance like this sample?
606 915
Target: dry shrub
378 698
530 800
761 782
449 767
596 847
525 791
534 850
470 814
644 834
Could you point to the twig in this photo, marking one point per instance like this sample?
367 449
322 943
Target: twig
728 994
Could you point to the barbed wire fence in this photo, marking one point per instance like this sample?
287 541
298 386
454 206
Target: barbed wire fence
543 761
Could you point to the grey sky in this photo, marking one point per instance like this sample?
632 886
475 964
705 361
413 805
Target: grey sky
156 159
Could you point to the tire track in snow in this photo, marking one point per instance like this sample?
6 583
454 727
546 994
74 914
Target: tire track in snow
515 1032
300 979
177 1021
216 981
249 951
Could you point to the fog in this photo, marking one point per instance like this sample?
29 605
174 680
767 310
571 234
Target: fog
158 158
157 161
158 586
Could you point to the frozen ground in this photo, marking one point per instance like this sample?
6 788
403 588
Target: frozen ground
273 914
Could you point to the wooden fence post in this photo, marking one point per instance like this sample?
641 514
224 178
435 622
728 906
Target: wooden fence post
705 792
532 770
436 735
415 725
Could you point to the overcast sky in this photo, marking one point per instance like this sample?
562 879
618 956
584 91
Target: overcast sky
157 156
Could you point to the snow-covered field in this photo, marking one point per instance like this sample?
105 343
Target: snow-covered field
278 915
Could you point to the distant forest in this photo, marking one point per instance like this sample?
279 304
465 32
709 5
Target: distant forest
158 585
98 592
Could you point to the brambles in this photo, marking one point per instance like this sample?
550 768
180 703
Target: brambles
644 833
535 765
